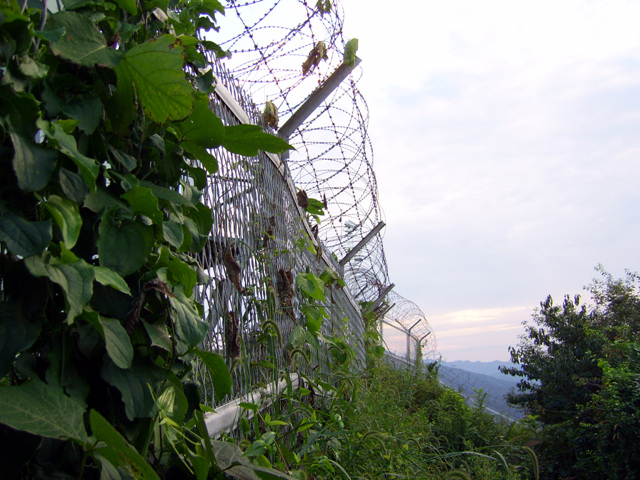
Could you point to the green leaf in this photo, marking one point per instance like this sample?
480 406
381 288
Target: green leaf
198 175
202 127
330 276
117 341
128 5
117 451
172 233
50 35
122 110
211 7
73 185
143 202
247 139
297 337
16 335
87 167
377 351
166 401
204 434
22 110
200 465
180 273
77 4
24 238
62 370
123 245
37 408
32 164
134 385
315 207
158 335
202 130
256 448
311 285
88 113
201 154
124 159
202 219
315 315
180 403
156 69
30 68
82 42
232 460
67 216
167 194
350 49
249 406
76 280
108 277
219 372
108 471
190 329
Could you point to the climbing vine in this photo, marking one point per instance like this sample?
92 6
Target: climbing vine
106 136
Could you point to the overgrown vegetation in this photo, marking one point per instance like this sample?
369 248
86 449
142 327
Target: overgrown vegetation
385 423
580 369
105 128
106 136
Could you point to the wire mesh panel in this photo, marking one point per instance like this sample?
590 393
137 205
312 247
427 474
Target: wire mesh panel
259 243
283 52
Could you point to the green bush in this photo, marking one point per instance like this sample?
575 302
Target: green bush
580 370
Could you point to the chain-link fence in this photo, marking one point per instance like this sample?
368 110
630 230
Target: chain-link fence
290 53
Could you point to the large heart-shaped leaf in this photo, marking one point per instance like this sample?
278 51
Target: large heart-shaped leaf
190 328
82 42
123 245
156 69
37 408
24 238
32 164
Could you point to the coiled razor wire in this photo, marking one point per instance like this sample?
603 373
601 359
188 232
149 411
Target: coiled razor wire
269 40
333 157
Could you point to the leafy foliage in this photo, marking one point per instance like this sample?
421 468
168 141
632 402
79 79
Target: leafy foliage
386 423
580 370
105 132
105 128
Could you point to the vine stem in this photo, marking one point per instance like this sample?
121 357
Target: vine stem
83 465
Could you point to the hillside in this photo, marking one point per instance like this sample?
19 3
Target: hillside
484 368
496 386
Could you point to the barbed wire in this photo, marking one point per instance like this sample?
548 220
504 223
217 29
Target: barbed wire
281 51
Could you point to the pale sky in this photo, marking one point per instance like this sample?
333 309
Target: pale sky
506 137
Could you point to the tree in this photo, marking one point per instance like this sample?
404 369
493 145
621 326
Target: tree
580 370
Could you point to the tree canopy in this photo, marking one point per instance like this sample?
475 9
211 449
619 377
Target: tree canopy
580 369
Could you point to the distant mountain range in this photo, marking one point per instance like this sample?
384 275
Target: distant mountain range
467 377
485 368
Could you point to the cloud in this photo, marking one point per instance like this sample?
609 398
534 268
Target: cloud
482 334
506 151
